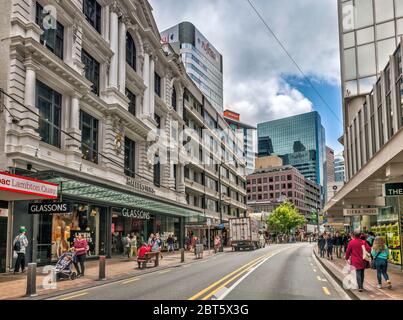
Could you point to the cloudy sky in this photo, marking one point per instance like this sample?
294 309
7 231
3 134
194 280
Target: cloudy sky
260 82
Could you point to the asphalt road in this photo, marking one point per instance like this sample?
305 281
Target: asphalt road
275 272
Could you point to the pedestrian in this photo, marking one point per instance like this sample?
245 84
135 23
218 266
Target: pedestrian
143 250
80 248
380 253
157 244
321 245
356 250
338 242
262 240
127 246
217 244
151 239
170 242
20 248
371 238
345 242
330 243
133 245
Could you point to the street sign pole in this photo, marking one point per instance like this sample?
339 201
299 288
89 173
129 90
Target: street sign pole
400 217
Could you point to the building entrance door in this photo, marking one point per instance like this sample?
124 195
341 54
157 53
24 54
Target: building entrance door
3 244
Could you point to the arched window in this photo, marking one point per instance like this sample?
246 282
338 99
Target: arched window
130 51
173 100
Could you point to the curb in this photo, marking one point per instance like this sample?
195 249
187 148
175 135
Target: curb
99 283
350 293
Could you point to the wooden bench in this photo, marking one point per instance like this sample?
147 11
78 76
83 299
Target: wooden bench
142 262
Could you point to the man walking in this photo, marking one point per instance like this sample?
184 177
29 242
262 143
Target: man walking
355 255
20 247
321 245
338 241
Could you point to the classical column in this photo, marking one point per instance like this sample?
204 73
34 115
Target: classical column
29 119
146 78
114 40
122 55
74 123
152 91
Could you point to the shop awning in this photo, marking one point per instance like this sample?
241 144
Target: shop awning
14 188
113 197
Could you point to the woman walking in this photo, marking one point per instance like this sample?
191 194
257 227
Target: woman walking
80 248
380 253
217 244
133 245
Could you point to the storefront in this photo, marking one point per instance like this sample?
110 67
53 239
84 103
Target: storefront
104 214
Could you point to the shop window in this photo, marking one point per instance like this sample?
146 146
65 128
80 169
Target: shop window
89 137
49 104
93 13
53 38
130 157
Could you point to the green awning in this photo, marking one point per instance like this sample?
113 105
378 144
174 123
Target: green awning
90 192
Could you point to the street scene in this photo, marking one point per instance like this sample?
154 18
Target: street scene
204 150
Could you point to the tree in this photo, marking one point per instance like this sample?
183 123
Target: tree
285 218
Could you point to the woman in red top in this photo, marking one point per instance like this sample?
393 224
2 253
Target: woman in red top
80 247
355 255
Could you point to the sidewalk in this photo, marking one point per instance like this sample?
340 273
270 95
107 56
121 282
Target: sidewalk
371 292
117 268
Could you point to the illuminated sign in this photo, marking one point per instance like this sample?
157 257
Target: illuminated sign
232 115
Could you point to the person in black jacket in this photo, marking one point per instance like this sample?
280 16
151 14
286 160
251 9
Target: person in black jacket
338 241
321 245
330 243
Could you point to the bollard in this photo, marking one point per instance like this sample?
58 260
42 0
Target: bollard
31 280
182 255
157 260
102 268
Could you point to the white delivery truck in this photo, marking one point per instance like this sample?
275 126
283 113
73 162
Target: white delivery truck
244 233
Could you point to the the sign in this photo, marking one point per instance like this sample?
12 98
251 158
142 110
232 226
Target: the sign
393 189
221 226
18 184
139 186
49 208
133 213
360 212
232 115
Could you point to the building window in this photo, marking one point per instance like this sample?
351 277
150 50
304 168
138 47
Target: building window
173 99
130 157
157 118
92 11
89 136
49 103
130 51
52 38
91 69
157 171
157 84
380 127
132 101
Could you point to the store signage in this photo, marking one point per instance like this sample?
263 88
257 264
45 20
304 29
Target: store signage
393 189
360 212
4 213
139 186
134 213
232 115
18 184
49 208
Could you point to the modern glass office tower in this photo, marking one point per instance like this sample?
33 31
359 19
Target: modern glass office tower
202 61
339 169
299 141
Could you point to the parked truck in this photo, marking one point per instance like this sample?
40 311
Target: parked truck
244 233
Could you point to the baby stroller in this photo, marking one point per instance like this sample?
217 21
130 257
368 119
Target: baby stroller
64 267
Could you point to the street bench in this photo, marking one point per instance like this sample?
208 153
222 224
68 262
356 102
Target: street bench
142 262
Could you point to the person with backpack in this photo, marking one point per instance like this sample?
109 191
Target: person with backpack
20 245
380 254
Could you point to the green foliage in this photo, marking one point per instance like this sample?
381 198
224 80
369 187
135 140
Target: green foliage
285 218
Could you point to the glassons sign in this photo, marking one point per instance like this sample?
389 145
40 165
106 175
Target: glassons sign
18 184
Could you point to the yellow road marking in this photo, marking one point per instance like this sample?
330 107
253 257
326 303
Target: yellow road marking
130 280
165 271
326 291
232 279
74 296
226 277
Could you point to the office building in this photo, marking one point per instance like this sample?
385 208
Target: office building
339 168
248 133
329 164
203 62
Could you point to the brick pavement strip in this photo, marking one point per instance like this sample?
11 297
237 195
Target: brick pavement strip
14 287
371 292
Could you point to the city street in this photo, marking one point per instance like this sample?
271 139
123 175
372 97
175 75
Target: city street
276 272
